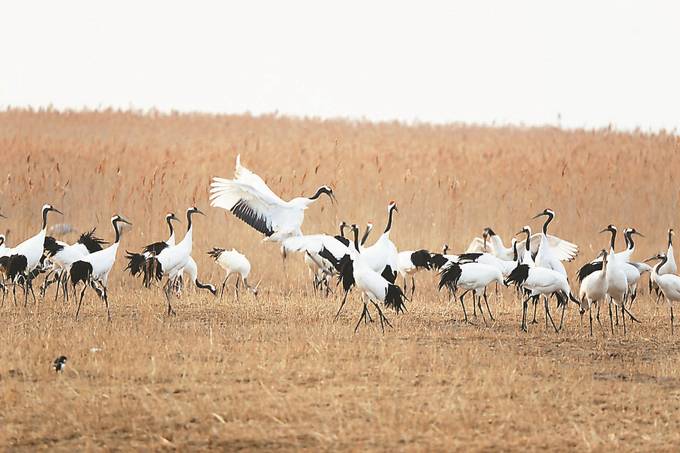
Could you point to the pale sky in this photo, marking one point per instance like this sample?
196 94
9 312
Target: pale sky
592 62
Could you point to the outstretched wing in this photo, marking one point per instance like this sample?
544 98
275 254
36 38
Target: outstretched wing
561 249
245 202
476 246
242 174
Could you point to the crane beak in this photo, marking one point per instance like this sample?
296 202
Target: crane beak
125 221
174 217
57 211
655 257
540 214
605 230
334 200
639 234
519 232
198 211
3 216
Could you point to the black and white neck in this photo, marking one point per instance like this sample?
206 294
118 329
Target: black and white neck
663 261
355 231
390 213
670 237
343 225
369 228
322 190
115 220
550 216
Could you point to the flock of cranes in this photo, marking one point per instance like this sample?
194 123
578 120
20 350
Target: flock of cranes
533 264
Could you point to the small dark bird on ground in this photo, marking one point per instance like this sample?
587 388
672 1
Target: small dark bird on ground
59 364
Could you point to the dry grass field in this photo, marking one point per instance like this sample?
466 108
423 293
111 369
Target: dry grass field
276 372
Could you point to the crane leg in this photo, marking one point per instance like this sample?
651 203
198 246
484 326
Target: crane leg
590 316
564 308
413 285
342 304
623 315
616 313
486 301
224 285
535 300
672 329
30 286
362 317
80 302
462 304
383 318
106 302
238 279
479 304
525 305
547 312
611 320
167 289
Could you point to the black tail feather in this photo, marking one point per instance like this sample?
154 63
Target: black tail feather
215 252
389 274
81 271
16 266
438 260
394 298
136 263
518 275
422 259
449 276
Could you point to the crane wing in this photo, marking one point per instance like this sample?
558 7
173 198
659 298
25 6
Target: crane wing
476 246
247 203
561 249
242 174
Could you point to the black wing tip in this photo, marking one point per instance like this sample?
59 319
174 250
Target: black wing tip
247 214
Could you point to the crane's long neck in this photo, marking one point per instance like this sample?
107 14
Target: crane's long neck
612 241
497 242
365 236
389 220
116 228
527 243
172 229
630 242
605 262
515 255
44 219
660 264
356 238
547 222
342 230
670 238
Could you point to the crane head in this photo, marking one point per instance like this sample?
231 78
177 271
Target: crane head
171 216
324 190
610 228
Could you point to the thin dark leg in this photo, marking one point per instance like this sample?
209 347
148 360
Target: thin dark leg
547 312
486 301
82 293
106 301
342 304
363 316
590 315
672 328
462 304
611 319
623 316
533 321
224 284
525 306
564 307
413 285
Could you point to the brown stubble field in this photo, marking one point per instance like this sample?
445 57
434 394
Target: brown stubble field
277 372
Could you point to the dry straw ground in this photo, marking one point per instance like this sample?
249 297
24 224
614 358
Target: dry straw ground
277 372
